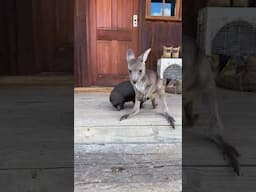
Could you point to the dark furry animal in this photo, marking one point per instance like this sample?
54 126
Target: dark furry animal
121 94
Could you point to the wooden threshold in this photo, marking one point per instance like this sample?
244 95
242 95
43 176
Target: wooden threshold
37 80
93 89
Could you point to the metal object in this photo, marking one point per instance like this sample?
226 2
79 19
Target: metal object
135 20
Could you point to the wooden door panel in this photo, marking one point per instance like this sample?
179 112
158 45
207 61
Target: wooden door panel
103 13
111 59
122 14
103 57
114 35
119 57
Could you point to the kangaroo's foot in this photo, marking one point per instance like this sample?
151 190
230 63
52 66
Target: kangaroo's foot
124 117
191 118
170 119
229 152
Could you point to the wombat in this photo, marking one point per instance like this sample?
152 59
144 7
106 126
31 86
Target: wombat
122 93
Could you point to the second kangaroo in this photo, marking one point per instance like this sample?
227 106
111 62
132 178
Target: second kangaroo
147 85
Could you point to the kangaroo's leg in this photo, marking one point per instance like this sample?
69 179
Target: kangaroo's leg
189 115
135 110
165 111
141 104
154 104
160 91
215 131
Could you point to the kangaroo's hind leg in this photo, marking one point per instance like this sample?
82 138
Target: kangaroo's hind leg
135 110
154 104
189 115
215 130
165 112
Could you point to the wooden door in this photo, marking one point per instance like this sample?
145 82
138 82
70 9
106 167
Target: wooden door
112 33
54 31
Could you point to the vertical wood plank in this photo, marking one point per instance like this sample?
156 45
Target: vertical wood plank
3 38
103 13
81 36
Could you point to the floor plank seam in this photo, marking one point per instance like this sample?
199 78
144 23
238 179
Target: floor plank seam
34 168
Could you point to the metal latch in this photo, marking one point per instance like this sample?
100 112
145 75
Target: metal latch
135 20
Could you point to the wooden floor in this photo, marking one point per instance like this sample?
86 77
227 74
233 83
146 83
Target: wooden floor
204 167
36 139
136 155
37 124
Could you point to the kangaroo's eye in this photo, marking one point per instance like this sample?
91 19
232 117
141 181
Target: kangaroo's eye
140 71
130 71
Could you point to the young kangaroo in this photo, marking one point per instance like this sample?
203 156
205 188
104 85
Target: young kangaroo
199 82
147 85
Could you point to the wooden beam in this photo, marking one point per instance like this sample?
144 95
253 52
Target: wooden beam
93 89
36 80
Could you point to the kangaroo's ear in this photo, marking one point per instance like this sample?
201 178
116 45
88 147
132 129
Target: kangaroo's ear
144 56
130 55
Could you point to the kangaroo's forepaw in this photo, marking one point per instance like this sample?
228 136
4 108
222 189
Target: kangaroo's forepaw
124 117
230 152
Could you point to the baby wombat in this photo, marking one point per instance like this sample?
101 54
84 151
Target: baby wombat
122 93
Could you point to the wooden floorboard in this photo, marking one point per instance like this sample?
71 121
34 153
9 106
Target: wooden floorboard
215 179
204 167
36 144
96 121
130 187
147 165
129 167
139 154
37 80
237 111
36 180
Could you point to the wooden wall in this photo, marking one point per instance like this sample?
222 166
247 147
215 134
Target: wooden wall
155 34
189 16
54 26
3 37
39 36
81 39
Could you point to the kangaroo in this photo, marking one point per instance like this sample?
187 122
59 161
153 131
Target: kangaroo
147 85
198 80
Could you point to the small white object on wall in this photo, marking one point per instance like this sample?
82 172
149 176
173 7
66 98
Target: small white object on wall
164 63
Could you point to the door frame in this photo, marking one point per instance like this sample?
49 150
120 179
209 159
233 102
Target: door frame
91 76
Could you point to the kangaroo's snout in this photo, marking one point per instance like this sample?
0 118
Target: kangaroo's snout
134 82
